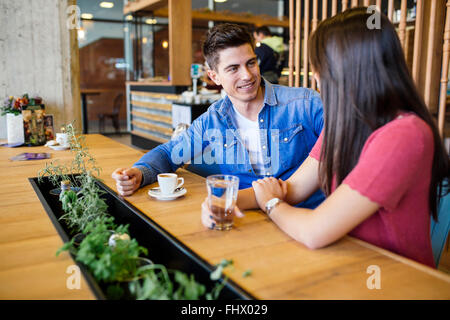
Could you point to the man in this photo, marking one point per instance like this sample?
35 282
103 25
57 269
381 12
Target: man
263 36
258 130
268 62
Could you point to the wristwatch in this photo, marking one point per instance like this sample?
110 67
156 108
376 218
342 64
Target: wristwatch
271 204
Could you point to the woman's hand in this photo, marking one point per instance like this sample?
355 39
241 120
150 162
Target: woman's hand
207 215
269 188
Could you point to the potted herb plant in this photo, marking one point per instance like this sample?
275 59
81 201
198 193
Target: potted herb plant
109 253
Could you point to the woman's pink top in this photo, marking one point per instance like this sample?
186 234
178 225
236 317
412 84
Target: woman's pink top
394 170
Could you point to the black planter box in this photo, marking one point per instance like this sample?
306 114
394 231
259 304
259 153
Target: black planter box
162 247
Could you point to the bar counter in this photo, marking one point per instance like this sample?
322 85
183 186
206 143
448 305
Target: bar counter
281 267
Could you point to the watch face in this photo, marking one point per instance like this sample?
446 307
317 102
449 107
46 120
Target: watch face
271 203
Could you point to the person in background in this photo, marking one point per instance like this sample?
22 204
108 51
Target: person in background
267 61
379 159
263 35
258 129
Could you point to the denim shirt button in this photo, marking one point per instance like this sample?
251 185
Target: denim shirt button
261 120
263 147
285 139
225 145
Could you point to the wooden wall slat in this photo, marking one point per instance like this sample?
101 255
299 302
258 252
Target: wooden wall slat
152 105
291 42
344 5
391 10
315 21
444 79
153 117
153 127
402 25
305 46
298 40
334 6
378 3
324 9
431 31
418 35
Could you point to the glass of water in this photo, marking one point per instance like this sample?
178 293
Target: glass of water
222 195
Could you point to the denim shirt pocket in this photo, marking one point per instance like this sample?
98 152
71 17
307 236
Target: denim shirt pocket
292 145
286 135
231 155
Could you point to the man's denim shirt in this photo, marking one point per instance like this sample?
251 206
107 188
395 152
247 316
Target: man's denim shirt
290 123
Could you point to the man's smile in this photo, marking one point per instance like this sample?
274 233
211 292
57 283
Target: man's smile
248 85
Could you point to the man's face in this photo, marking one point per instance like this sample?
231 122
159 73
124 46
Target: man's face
238 73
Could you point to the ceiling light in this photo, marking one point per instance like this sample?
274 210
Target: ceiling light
165 44
106 4
129 17
150 21
87 16
220 0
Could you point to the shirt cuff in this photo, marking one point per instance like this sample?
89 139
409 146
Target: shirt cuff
148 176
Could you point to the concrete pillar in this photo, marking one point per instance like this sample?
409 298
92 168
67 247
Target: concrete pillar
39 55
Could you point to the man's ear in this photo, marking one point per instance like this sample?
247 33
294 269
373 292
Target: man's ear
213 76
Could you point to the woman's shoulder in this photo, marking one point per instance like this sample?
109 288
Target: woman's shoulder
407 134
407 126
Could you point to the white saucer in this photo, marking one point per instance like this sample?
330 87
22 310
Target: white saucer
59 147
156 193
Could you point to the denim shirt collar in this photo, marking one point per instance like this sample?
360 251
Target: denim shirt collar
269 98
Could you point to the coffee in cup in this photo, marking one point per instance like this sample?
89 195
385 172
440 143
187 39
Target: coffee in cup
168 182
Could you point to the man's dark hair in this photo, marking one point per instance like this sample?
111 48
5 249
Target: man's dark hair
224 36
264 30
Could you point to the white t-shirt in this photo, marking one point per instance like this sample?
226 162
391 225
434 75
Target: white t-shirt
249 131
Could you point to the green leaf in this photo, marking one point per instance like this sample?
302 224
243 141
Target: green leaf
216 274
247 273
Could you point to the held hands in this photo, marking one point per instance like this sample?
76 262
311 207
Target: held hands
128 180
269 188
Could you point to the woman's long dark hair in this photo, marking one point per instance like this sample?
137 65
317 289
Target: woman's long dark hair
364 83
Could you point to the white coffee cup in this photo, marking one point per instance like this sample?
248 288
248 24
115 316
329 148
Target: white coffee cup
62 139
168 182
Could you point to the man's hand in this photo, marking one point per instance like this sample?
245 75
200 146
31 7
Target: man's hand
128 180
207 215
269 188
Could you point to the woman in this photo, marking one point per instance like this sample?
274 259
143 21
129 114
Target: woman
379 159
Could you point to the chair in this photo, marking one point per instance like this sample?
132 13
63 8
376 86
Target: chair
440 229
114 115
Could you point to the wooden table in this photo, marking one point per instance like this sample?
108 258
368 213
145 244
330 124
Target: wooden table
281 268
